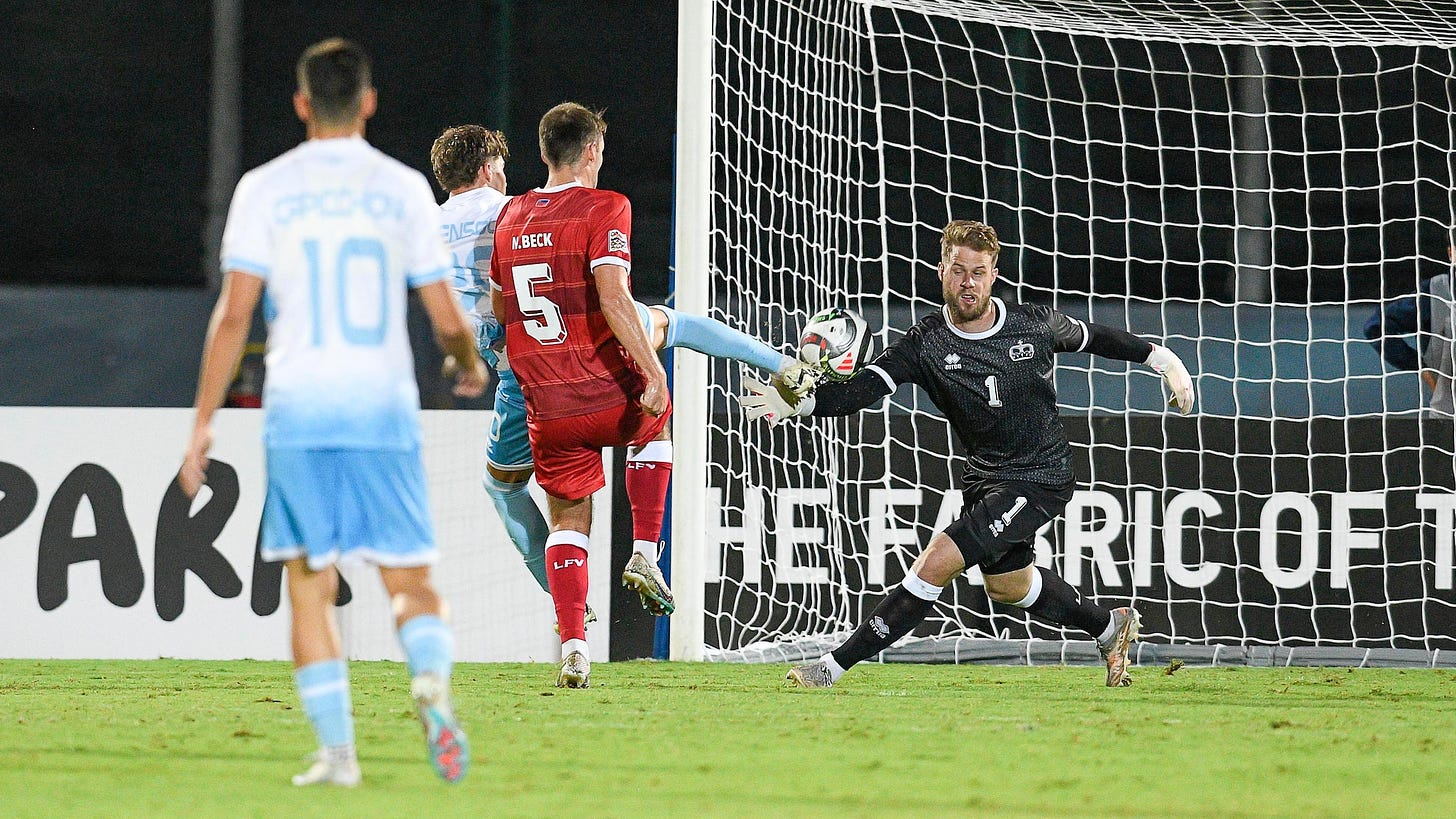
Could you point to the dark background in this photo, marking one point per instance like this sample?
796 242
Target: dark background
103 139
104 114
105 117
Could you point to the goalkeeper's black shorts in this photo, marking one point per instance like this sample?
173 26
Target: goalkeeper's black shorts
999 519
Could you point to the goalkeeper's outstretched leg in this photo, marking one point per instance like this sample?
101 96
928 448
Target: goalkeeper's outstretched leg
902 610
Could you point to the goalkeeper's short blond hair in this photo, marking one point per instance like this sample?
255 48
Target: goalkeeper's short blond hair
965 233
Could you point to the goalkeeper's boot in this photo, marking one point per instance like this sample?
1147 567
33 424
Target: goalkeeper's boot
1126 623
797 381
643 576
591 617
575 671
810 675
331 766
445 742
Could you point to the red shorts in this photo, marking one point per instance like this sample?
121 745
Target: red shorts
568 451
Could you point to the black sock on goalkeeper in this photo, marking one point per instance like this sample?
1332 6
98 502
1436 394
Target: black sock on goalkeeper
1053 600
900 611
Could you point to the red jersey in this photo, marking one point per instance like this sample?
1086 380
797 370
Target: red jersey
547 243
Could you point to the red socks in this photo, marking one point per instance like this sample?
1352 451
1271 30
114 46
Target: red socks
649 470
566 572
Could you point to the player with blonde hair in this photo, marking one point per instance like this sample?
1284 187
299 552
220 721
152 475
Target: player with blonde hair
988 365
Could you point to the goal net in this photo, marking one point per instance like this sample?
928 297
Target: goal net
1244 182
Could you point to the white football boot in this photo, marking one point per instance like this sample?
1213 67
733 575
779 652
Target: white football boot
1126 622
331 767
575 671
644 577
810 675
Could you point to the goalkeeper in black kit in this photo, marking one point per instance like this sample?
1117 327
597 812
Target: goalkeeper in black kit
988 366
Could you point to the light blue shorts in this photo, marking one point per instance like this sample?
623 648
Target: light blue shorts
509 447
332 505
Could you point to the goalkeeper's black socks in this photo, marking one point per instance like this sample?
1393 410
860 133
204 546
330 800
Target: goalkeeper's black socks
900 611
1053 600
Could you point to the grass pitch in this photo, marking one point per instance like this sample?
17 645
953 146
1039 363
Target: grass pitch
170 738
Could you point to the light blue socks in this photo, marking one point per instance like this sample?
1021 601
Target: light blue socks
324 689
714 338
428 645
524 523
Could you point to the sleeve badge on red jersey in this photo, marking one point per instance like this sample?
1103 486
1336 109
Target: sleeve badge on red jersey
616 241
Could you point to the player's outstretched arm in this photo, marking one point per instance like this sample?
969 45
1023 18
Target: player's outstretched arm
621 314
1110 342
454 335
830 399
227 333
1073 335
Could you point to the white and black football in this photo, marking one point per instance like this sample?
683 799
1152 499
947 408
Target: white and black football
838 341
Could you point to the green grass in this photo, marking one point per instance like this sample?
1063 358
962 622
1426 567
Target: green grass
665 739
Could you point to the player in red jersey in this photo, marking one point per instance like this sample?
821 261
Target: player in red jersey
561 275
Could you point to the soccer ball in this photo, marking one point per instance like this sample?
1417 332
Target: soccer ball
838 341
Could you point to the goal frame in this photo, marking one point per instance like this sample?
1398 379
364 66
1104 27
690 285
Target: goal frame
691 258
692 292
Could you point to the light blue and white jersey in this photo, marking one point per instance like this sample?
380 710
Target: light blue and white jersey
468 227
337 231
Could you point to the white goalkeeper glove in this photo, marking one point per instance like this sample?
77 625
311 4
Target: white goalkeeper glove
798 380
1180 385
767 401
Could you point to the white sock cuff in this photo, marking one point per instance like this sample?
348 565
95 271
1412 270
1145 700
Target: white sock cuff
835 672
647 548
568 537
920 588
568 646
1032 593
1107 632
658 451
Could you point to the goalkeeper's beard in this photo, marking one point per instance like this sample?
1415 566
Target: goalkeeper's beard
961 316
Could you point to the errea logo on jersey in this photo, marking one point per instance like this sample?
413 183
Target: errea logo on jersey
616 241
527 240
1022 352
952 361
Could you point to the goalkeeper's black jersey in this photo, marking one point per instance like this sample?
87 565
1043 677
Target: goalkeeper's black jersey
994 387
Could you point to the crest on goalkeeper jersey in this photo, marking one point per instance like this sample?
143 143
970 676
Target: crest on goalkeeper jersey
838 340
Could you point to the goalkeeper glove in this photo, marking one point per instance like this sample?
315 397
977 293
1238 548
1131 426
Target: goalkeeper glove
1180 385
797 380
767 401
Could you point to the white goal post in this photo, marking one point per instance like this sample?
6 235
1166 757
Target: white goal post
1246 182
